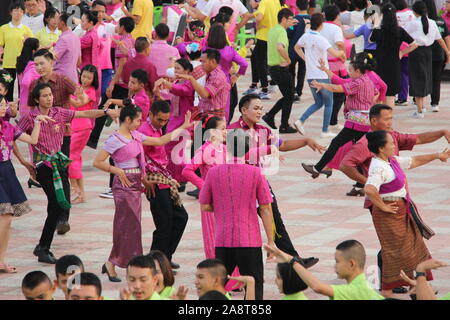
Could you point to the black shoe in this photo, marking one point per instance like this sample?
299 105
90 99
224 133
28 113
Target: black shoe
288 129
193 193
270 121
182 187
400 290
112 279
38 249
63 227
310 169
92 144
356 192
44 255
174 265
309 262
296 98
31 182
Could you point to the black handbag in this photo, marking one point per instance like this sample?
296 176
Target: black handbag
424 229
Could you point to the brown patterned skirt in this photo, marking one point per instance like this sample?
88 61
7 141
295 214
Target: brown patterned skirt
402 245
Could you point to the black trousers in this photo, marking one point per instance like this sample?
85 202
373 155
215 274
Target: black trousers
233 102
282 77
258 60
54 211
10 94
342 138
65 148
170 221
250 263
118 93
282 241
301 73
437 68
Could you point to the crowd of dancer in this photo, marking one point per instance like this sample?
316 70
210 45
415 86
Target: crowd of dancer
170 89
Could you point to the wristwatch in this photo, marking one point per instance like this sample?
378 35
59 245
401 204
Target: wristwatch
296 259
419 274
105 111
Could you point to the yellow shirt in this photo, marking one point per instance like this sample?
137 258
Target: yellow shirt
269 9
143 9
12 38
46 37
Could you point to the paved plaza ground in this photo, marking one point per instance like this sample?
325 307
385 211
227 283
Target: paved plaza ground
317 213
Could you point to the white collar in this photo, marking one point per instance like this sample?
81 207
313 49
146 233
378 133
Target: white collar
38 15
13 26
50 31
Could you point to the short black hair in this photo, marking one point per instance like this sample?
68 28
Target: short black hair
284 13
213 295
85 279
160 106
65 263
127 23
212 54
49 13
302 4
353 249
162 31
238 143
98 3
342 4
141 44
35 278
360 4
64 17
316 21
292 283
44 53
245 100
216 267
16 5
143 262
185 64
36 93
227 10
375 111
331 12
141 75
91 16
376 140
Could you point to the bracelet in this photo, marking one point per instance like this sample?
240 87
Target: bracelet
105 111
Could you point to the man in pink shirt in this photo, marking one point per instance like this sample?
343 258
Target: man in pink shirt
170 219
162 54
232 191
67 51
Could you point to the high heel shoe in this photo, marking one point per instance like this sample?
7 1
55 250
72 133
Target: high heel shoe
31 182
112 279
328 173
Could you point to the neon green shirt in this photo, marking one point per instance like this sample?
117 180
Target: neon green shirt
358 289
167 293
12 38
276 35
155 296
228 296
446 297
295 296
47 37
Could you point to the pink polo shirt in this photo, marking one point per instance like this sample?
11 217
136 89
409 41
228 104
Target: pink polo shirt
67 50
142 101
233 190
160 55
104 37
156 153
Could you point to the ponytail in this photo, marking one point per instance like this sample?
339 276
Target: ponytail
420 8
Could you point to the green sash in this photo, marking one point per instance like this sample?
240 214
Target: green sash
59 161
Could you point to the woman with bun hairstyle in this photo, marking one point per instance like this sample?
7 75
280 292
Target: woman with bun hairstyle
125 146
402 245
361 94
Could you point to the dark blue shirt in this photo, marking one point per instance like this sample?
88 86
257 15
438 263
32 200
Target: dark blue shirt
295 32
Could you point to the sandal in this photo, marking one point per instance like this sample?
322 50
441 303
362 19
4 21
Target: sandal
78 199
8 269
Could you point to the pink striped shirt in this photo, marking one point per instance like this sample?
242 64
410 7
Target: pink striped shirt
219 90
380 85
233 190
8 134
52 133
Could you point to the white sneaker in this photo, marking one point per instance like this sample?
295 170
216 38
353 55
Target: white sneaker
107 195
435 108
300 128
328 134
336 127
424 109
418 115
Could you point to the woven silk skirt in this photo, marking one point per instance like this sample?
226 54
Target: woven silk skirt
402 245
419 71
12 198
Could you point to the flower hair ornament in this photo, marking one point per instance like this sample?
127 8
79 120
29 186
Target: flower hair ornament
198 31
7 77
192 47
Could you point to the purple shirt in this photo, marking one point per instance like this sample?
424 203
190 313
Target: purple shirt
182 101
228 55
116 145
67 50
233 190
8 134
160 56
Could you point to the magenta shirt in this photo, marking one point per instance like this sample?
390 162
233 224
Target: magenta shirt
228 55
124 151
142 101
105 47
182 101
90 49
8 134
79 124
25 80
160 55
234 190
67 50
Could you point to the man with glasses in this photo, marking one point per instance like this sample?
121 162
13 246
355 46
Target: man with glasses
33 18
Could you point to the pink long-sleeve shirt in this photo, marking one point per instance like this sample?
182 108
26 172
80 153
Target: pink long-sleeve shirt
182 101
25 79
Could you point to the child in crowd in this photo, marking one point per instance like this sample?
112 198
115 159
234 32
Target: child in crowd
85 286
36 285
65 267
289 283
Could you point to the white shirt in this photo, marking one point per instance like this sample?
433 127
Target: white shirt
35 23
316 47
212 7
333 34
118 14
201 81
356 21
381 172
405 16
415 30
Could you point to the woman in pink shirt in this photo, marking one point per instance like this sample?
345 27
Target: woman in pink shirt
361 94
90 43
85 99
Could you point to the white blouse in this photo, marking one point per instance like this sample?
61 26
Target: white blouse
381 172
415 30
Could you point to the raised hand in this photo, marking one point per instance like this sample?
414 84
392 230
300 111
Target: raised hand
276 255
429 265
180 294
315 146
187 121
